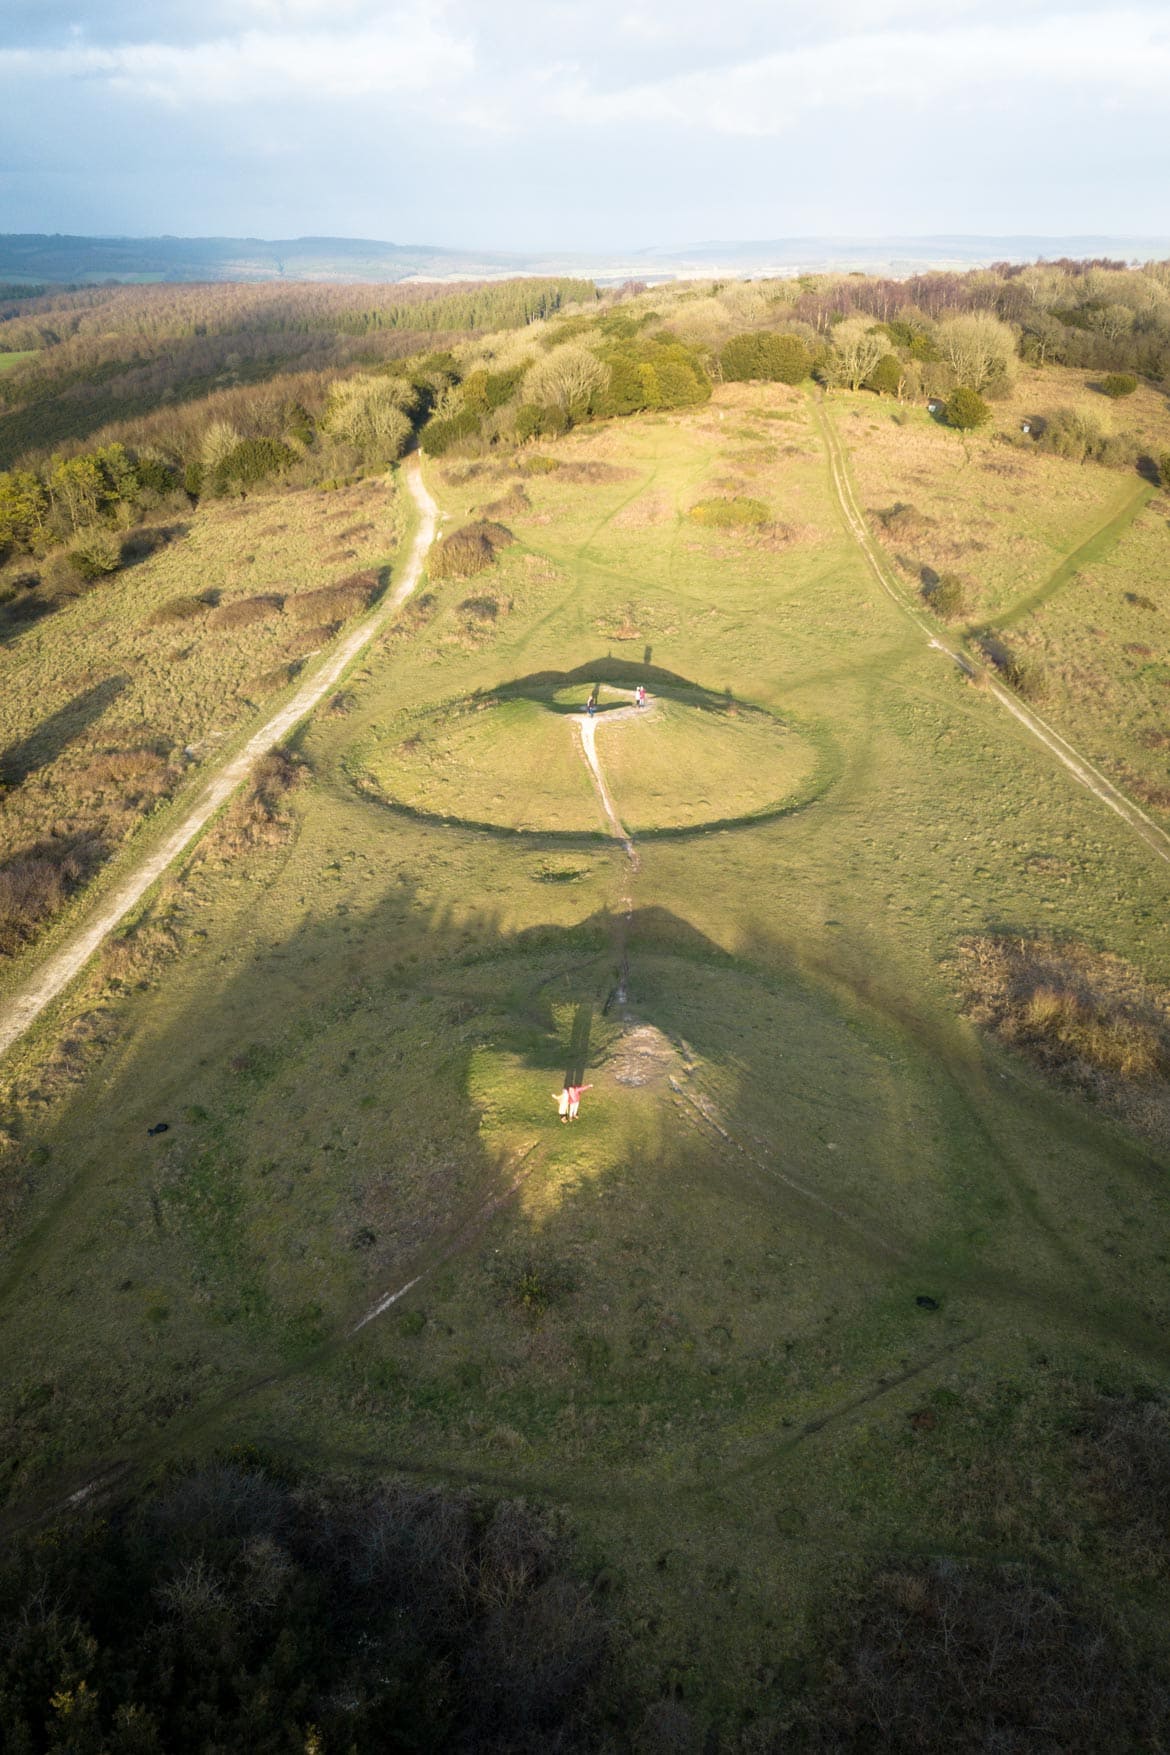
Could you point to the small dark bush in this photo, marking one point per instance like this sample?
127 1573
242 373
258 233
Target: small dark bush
903 522
735 512
1118 384
479 609
251 461
965 409
438 436
35 884
948 596
242 612
176 609
468 551
335 603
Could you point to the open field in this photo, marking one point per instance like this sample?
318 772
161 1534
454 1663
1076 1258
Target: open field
1063 563
120 697
8 361
823 1278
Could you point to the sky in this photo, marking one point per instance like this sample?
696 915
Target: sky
584 124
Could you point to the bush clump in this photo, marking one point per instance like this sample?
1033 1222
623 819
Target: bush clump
242 612
948 596
231 1609
1077 434
766 357
1082 1014
469 550
732 512
1117 384
335 603
965 409
35 885
945 1656
177 609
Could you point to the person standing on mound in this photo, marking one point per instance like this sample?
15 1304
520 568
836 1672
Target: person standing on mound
561 1099
574 1094
639 696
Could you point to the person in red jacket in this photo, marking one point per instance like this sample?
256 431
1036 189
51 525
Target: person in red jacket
575 1098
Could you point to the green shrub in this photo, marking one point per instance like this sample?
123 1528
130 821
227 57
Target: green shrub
652 372
533 421
438 436
733 512
947 597
1164 469
759 354
251 461
98 554
887 376
1078 435
1118 384
965 409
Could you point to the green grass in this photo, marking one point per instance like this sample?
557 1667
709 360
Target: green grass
9 361
691 1319
679 766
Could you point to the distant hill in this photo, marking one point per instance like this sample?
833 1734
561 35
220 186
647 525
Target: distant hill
36 257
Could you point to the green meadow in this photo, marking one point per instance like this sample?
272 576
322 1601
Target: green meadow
824 1277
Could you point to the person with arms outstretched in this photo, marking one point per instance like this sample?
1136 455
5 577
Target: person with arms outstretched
574 1094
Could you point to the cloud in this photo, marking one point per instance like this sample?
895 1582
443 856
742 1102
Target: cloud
1107 59
405 53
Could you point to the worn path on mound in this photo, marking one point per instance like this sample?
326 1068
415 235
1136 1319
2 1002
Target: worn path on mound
22 1010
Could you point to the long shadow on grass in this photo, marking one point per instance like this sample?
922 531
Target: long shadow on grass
356 1110
544 686
53 735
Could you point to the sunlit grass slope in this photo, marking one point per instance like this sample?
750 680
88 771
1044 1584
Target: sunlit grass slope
695 1318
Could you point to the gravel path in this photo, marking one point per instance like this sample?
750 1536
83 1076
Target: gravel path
21 1011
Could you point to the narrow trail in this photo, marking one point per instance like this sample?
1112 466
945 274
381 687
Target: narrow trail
587 724
1079 766
1128 504
21 1011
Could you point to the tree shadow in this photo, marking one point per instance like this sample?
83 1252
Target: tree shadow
142 544
47 740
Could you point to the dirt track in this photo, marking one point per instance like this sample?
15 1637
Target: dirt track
1078 766
22 1010
587 724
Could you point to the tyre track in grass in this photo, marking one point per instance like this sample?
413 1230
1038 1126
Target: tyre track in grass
118 1474
26 1005
1079 766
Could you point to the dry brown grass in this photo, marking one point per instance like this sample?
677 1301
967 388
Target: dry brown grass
513 504
469 550
331 604
35 885
260 815
1086 1017
245 612
1123 1446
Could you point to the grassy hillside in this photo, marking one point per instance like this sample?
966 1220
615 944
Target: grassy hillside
828 1282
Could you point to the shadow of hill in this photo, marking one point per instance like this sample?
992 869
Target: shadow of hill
619 673
364 1105
53 735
